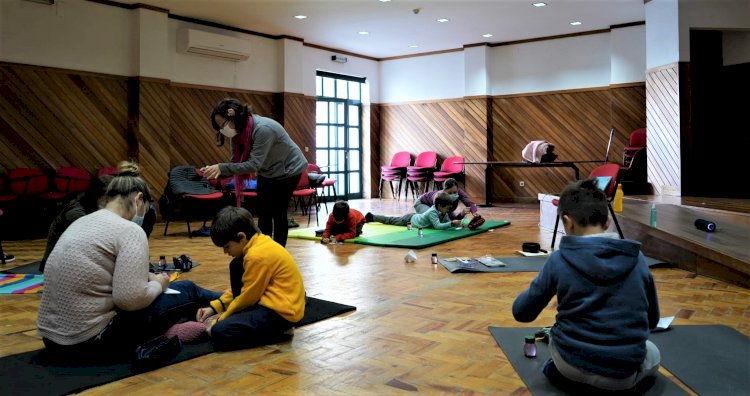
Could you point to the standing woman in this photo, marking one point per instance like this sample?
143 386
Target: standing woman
260 145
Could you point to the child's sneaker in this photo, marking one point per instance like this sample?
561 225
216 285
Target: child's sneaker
9 258
369 217
291 223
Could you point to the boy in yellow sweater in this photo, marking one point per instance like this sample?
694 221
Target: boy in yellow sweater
266 297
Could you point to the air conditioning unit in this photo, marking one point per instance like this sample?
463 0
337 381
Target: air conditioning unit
212 44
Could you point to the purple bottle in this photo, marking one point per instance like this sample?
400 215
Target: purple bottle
529 347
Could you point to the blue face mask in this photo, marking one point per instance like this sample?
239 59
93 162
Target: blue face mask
454 197
138 219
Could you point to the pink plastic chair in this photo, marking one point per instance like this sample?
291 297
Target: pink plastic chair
421 171
451 168
396 171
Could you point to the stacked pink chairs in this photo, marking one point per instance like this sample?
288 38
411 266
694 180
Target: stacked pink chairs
421 172
396 171
452 167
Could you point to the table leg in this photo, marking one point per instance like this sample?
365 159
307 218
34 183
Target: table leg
487 187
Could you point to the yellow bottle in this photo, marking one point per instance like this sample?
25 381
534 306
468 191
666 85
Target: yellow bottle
617 203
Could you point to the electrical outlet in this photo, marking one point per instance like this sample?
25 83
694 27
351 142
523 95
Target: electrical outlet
307 149
522 184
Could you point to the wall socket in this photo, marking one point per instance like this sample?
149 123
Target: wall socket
522 184
307 149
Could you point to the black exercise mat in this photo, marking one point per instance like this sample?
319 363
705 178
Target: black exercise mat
710 359
23 376
513 264
33 268
511 339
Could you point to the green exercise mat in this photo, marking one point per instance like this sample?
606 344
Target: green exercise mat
377 234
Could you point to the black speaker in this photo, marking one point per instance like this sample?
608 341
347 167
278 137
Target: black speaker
705 225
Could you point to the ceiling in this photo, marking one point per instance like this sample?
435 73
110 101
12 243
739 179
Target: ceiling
396 25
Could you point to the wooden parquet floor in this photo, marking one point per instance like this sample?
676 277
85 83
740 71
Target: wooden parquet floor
417 328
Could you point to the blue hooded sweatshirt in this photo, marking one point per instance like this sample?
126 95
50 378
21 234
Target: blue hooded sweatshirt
606 303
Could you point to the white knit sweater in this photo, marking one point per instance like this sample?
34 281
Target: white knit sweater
99 266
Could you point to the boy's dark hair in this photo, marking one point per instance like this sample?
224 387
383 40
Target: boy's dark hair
443 199
584 203
229 222
340 210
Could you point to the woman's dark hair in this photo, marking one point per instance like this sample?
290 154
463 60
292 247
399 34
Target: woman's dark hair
229 222
449 182
584 203
96 189
241 112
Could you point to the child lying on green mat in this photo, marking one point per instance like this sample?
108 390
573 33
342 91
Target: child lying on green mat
435 217
343 223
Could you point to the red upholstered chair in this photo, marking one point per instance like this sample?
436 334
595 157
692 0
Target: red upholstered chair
636 144
421 172
6 196
109 170
306 197
610 170
28 182
451 168
192 206
396 171
70 180
326 186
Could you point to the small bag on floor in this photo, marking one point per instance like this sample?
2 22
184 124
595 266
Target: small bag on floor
476 222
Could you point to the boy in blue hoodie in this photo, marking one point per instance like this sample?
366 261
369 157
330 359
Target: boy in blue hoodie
606 301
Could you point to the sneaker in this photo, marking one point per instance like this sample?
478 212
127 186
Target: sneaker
202 232
291 223
369 217
9 258
289 332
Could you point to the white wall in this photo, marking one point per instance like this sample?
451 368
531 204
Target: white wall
70 34
261 72
736 47
628 57
427 77
550 65
476 69
315 59
710 14
662 33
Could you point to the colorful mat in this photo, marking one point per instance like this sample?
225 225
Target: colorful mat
21 284
25 375
377 234
510 340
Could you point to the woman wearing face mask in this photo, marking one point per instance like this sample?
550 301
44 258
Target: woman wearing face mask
100 301
450 187
260 145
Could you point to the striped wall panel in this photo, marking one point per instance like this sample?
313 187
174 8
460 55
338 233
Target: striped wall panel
153 133
663 120
477 125
628 114
577 123
299 121
418 127
51 118
373 113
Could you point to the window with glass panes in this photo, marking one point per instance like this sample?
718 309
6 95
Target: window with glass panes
338 131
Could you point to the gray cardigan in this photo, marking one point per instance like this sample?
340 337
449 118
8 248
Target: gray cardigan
274 154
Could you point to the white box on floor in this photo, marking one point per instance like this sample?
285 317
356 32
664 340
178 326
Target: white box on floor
548 214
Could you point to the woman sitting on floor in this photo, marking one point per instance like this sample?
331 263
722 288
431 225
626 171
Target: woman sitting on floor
450 187
100 301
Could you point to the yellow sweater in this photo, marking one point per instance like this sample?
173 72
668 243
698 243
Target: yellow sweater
271 279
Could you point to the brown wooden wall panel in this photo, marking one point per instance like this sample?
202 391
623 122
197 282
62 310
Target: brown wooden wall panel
299 121
152 133
577 123
477 127
663 116
373 113
628 114
51 118
418 127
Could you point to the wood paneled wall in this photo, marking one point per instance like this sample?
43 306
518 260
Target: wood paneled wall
51 118
577 122
374 114
663 112
298 118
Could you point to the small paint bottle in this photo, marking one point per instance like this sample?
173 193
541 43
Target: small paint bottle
163 262
434 258
529 346
408 226
420 232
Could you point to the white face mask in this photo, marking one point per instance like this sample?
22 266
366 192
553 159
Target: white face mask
453 196
228 131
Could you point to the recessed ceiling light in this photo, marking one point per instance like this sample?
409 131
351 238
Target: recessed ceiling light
384 1
576 23
487 35
301 16
413 46
539 4
441 20
363 33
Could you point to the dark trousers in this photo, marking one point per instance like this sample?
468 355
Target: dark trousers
250 327
273 200
128 329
